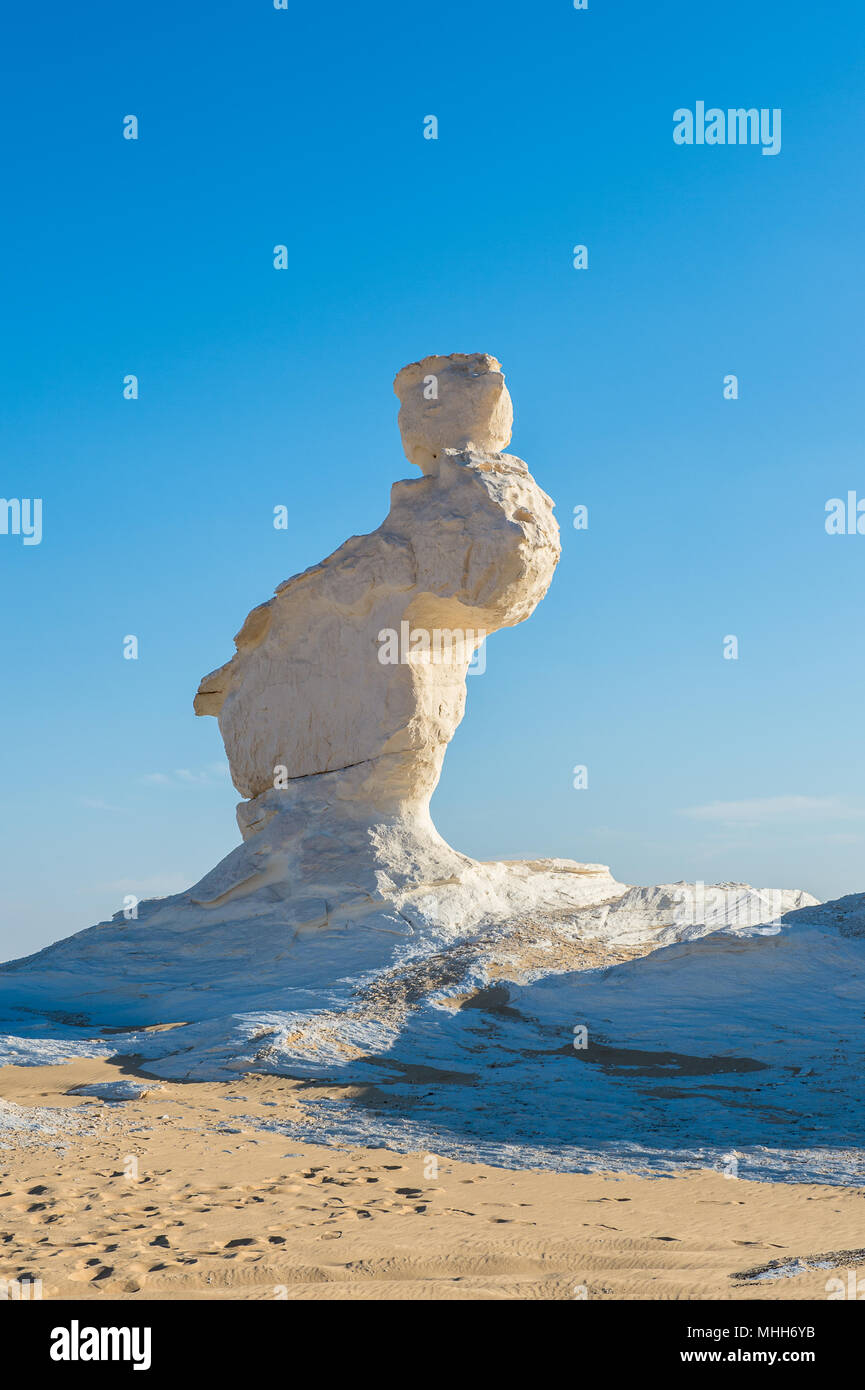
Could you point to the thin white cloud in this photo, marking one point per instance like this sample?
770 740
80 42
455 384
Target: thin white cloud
768 810
185 776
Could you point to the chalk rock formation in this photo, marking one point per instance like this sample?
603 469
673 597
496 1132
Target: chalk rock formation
456 402
357 667
336 711
347 686
345 939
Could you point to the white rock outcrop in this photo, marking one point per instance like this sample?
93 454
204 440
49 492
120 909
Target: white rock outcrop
344 940
336 710
357 667
347 686
457 402
343 936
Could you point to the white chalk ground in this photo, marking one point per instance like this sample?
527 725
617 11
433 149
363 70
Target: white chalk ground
733 1037
35 1122
115 1091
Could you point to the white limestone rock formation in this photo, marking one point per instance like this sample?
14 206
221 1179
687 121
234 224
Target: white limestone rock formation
359 663
336 711
347 686
345 941
457 402
344 914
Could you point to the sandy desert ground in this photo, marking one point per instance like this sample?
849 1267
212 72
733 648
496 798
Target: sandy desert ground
179 1195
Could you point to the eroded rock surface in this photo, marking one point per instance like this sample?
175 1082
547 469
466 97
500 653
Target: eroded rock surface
360 662
344 938
456 402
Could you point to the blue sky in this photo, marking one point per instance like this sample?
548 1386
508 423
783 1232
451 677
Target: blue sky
259 387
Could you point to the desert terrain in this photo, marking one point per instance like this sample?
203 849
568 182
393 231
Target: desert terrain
179 1194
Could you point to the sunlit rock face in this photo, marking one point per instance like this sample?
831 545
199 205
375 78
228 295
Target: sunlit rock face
357 667
457 402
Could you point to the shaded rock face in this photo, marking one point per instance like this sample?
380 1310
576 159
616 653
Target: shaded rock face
357 667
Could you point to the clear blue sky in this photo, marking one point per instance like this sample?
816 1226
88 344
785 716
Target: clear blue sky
260 387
